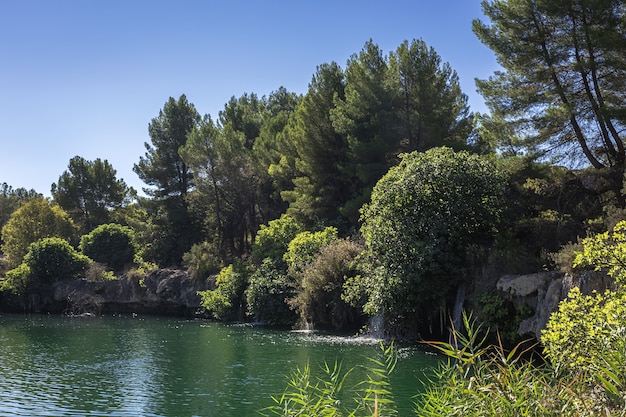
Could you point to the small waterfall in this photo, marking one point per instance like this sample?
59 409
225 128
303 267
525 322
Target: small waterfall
308 326
305 327
457 311
377 326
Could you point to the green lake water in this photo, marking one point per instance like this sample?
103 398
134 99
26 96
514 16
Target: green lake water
148 366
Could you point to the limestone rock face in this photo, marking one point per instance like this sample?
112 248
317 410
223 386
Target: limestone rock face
164 291
544 291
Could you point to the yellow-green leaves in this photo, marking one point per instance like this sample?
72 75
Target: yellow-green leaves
606 251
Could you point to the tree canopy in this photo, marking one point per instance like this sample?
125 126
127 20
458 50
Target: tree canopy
110 244
561 91
34 220
169 179
11 199
427 217
89 191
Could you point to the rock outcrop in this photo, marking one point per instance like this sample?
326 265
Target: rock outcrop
543 292
164 291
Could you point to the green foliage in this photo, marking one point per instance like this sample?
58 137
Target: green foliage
559 93
584 328
307 395
548 207
350 126
162 166
268 291
606 251
226 300
319 299
169 180
48 260
272 241
480 380
11 199
502 316
89 191
319 187
226 179
427 218
586 335
34 220
18 280
53 259
306 245
431 107
110 244
202 260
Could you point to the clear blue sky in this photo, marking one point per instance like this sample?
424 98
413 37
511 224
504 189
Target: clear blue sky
85 77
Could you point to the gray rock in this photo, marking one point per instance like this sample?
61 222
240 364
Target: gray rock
163 291
544 291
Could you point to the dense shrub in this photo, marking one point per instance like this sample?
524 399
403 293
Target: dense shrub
47 261
226 301
584 328
268 291
272 241
35 220
305 246
424 228
53 259
319 299
110 244
202 260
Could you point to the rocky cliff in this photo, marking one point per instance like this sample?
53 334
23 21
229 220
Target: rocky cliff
542 292
164 291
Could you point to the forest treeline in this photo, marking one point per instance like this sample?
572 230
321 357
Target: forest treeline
375 193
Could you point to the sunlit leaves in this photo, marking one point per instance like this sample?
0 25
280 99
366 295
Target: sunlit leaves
424 217
606 251
560 94
35 220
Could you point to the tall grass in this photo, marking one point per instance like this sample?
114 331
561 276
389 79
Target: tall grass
309 396
476 380
480 380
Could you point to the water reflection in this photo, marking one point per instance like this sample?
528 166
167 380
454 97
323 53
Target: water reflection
124 366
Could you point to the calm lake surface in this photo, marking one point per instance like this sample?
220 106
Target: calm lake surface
147 366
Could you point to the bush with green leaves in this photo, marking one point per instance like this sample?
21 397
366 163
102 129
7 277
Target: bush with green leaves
272 241
586 336
202 260
47 261
305 246
606 251
226 301
268 290
319 299
427 220
110 244
584 328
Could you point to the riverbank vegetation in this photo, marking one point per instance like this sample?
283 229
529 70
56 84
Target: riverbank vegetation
377 193
580 371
